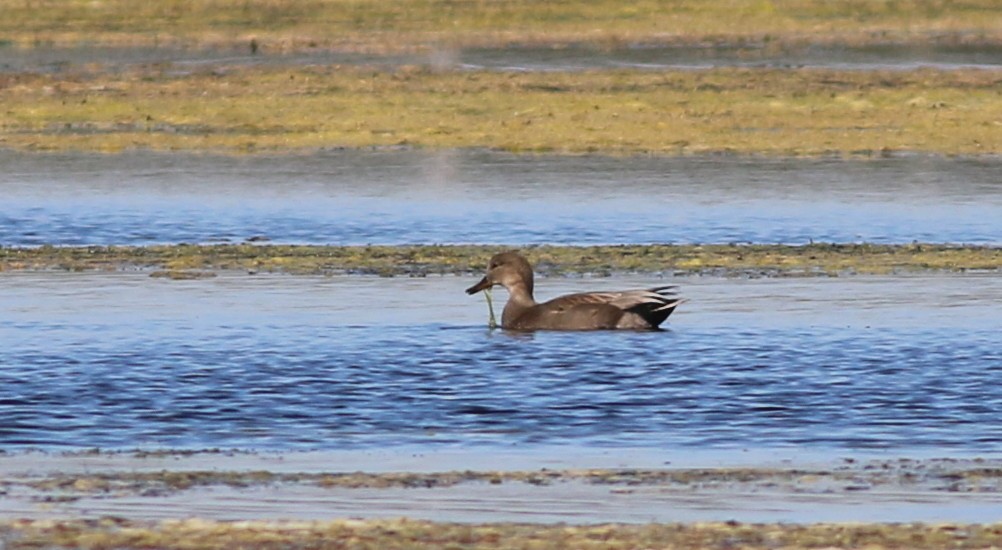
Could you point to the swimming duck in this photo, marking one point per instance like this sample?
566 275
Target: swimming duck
628 309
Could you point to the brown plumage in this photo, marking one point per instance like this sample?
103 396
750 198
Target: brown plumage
628 309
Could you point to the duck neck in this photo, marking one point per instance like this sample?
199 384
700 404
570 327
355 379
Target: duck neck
519 300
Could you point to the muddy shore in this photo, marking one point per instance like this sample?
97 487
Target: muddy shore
131 500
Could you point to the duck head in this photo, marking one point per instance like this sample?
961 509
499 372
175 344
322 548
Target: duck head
508 269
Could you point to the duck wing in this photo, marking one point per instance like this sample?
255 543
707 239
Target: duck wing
655 299
628 309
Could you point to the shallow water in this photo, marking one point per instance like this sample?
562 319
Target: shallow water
575 503
414 197
294 363
878 57
572 58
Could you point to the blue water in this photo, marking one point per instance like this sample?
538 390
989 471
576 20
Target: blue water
291 363
122 360
435 385
414 197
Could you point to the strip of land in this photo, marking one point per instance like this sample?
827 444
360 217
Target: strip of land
184 260
935 475
250 108
629 112
390 534
387 25
120 501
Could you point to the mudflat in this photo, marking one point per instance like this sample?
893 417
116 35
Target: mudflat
147 499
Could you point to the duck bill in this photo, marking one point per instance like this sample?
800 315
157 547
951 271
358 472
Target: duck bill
484 284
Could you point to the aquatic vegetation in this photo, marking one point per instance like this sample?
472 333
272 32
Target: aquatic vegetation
492 321
191 261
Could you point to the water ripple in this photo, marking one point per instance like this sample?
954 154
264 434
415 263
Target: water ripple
273 362
379 385
484 197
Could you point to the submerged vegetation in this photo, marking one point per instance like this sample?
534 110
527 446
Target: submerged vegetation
189 261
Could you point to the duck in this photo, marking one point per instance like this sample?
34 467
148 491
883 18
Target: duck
640 309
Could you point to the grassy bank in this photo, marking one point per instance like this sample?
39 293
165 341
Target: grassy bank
759 260
249 109
386 25
195 533
782 112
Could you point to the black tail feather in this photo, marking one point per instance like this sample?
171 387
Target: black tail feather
656 312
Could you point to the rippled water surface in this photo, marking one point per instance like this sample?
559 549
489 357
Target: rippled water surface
398 197
273 362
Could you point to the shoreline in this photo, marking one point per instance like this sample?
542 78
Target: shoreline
186 261
403 533
97 499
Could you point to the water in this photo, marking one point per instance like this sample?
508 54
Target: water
364 367
571 58
877 57
415 197
295 363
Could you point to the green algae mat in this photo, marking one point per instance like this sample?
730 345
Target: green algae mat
185 261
